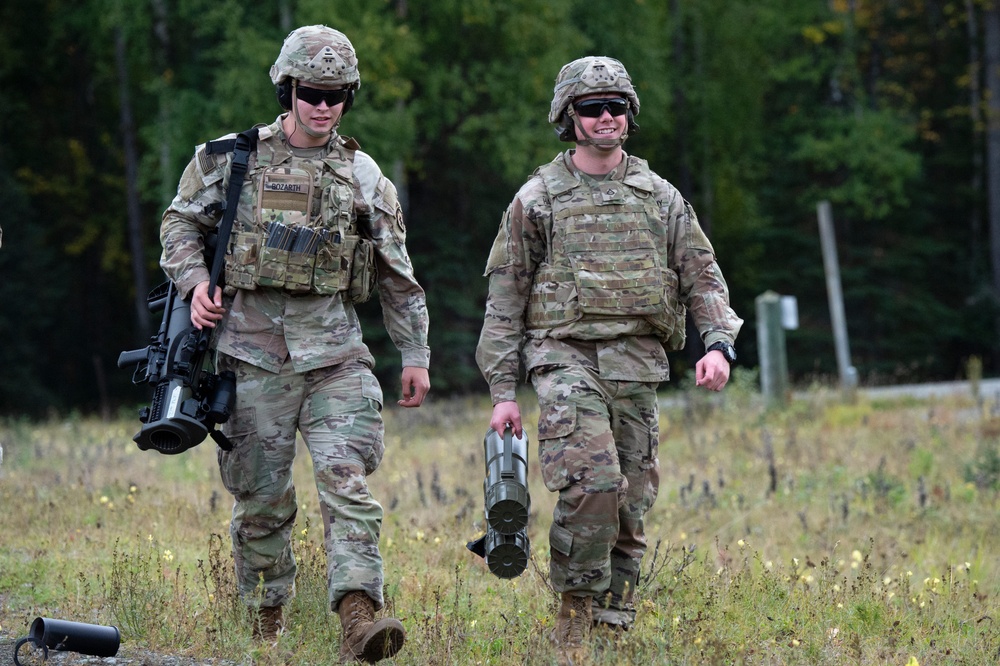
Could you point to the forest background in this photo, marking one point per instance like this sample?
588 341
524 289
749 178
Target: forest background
889 109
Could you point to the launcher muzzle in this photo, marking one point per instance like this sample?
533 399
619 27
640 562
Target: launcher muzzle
505 546
65 636
188 401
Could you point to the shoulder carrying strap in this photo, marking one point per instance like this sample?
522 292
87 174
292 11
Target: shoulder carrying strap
244 144
220 146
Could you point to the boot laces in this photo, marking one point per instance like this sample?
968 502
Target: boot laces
363 614
577 620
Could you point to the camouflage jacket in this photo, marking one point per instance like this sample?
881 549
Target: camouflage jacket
626 348
265 326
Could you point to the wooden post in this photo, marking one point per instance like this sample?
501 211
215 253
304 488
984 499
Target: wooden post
771 349
848 374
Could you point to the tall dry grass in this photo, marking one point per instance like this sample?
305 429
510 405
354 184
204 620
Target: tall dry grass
824 532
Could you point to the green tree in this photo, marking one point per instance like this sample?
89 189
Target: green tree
754 111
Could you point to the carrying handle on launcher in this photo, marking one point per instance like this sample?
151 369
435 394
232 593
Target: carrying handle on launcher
507 471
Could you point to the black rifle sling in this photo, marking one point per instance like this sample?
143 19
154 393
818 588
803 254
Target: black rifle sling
244 144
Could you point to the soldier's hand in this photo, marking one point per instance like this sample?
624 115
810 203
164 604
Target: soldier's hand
416 384
206 311
506 414
712 371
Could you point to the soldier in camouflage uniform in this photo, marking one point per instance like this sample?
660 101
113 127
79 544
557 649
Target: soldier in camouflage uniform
317 221
596 263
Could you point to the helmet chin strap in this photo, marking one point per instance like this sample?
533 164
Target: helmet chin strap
298 121
600 144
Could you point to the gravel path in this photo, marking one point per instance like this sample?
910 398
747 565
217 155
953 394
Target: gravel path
127 656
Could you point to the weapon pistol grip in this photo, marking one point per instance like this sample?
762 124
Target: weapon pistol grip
134 356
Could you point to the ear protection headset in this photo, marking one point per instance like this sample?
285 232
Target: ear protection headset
284 92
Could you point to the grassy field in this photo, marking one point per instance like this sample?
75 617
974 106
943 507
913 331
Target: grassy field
824 532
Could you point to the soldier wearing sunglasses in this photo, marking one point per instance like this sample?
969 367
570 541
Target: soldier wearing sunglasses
318 229
596 263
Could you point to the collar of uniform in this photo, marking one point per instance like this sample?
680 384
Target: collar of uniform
277 150
558 175
340 159
615 174
637 174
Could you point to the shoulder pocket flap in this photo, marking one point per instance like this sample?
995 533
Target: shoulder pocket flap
211 165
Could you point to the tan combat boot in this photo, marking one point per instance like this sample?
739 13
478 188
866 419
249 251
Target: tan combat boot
572 626
267 623
366 640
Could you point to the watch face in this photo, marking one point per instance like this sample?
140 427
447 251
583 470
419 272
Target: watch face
726 349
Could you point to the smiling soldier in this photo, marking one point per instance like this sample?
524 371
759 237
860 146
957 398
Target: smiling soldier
595 264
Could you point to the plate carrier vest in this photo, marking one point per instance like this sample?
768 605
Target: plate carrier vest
288 243
606 255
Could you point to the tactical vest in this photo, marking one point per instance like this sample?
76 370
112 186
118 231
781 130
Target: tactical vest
606 255
301 226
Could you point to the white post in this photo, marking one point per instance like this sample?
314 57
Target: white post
848 374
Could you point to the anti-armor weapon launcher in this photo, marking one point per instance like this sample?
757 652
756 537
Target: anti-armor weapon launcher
188 400
505 546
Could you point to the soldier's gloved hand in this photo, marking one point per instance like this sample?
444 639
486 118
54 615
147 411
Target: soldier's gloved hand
206 311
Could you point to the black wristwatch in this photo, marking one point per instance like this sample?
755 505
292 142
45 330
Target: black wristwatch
727 350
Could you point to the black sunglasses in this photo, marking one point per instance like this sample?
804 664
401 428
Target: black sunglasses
594 108
314 96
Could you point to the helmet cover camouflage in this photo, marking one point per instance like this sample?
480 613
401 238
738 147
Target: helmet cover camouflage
317 54
586 76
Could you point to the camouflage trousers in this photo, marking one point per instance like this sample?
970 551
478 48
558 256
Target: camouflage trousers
597 447
337 410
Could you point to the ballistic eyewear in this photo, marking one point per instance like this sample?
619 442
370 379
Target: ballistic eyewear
594 108
314 96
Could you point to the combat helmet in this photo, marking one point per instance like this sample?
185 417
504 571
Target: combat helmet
585 76
316 54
